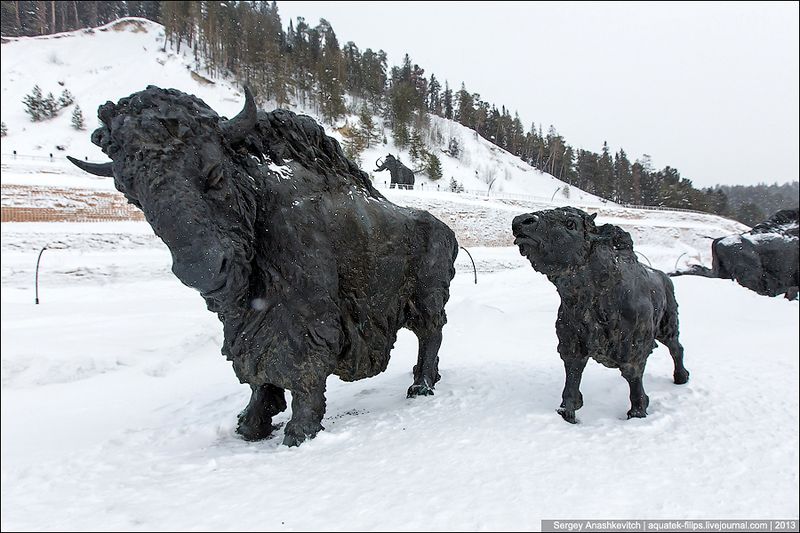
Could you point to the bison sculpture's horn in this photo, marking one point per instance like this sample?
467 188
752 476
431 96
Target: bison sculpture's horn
98 169
237 128
377 162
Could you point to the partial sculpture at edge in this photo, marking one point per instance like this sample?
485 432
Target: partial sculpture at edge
764 259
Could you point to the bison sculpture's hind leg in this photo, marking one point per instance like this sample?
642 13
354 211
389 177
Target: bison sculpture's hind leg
426 371
639 400
571 398
308 408
255 422
668 336
681 375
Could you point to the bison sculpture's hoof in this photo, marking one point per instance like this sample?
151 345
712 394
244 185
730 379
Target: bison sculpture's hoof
421 389
568 415
255 432
681 377
254 427
295 434
637 413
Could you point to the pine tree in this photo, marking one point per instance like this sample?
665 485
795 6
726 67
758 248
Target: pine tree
417 149
66 99
49 106
330 74
34 104
434 167
77 118
605 173
447 101
366 126
3 129
453 149
434 96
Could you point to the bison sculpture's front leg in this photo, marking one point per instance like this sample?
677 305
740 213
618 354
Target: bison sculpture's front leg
255 421
571 398
308 408
639 400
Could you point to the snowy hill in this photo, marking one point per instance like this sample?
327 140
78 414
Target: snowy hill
125 56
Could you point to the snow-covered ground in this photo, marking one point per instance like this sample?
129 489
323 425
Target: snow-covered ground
118 411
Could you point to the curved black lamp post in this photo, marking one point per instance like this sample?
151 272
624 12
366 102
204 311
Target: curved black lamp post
52 245
474 270
37 272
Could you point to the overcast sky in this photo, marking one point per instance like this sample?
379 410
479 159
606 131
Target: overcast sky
711 89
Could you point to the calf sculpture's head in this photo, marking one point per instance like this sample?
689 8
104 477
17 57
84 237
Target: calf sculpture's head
173 157
554 240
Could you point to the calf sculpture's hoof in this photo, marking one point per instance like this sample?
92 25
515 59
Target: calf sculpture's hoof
295 434
681 377
637 413
568 415
419 390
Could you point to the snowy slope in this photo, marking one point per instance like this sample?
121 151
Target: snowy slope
125 56
97 65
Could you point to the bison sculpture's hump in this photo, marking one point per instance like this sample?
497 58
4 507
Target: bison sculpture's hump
164 121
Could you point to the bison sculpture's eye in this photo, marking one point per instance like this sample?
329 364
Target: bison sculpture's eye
214 177
570 224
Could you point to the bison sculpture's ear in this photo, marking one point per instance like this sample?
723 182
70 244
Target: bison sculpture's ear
98 169
237 128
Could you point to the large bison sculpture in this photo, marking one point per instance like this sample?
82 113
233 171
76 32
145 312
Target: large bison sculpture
764 259
612 309
311 270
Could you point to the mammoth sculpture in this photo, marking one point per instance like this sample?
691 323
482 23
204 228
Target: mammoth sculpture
311 270
612 309
764 259
401 175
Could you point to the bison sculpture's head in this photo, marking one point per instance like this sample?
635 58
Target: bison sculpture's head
555 240
175 159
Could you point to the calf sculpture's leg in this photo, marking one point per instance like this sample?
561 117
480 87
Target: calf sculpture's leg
639 400
680 375
308 408
426 371
571 398
255 422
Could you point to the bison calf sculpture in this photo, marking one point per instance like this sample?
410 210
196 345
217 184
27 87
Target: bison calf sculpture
311 271
612 306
